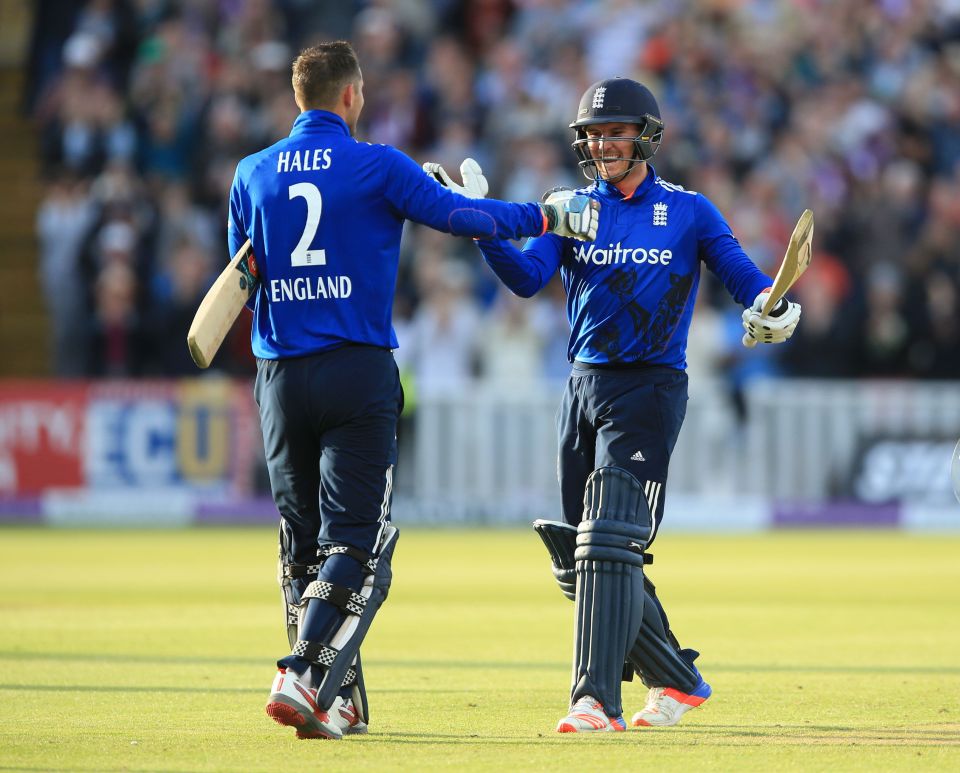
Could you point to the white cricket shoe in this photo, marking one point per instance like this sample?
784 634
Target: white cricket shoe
347 717
295 705
665 705
587 716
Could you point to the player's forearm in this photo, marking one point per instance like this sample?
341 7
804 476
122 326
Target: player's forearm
482 218
522 272
418 198
740 275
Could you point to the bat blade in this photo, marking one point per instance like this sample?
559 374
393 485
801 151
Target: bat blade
221 306
795 262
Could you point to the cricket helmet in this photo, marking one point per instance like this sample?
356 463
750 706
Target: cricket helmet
618 100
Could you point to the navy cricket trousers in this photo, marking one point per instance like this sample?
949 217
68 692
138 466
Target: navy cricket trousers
624 416
329 425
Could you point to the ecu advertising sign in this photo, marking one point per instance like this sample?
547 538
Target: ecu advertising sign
76 438
41 436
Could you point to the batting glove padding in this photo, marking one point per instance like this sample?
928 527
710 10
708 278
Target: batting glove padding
474 183
571 214
776 328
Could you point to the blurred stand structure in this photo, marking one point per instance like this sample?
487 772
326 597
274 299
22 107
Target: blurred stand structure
810 453
121 122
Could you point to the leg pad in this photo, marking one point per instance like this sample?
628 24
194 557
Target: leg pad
655 654
339 657
609 594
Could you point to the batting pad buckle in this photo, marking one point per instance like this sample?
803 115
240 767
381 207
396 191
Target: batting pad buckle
297 571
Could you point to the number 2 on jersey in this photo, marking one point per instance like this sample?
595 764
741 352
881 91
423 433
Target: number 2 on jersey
301 256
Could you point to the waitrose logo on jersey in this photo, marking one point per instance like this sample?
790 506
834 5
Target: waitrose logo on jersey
617 253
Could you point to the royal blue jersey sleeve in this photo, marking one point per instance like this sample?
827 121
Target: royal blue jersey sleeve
528 271
420 198
723 255
235 235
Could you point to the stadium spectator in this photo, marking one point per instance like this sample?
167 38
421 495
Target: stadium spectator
63 219
117 343
511 347
440 343
852 109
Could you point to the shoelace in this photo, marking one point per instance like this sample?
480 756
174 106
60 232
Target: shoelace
653 698
586 703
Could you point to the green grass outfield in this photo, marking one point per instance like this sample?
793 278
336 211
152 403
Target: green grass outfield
153 651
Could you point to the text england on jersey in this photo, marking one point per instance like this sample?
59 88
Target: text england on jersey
306 289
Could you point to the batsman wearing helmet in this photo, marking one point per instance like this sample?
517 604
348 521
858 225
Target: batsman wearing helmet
630 297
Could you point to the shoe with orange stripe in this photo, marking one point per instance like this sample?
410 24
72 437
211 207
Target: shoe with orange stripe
295 705
665 705
587 716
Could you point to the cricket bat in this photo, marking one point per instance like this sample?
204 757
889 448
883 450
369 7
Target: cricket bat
795 262
221 306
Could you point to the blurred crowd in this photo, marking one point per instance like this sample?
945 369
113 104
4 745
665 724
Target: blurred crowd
849 107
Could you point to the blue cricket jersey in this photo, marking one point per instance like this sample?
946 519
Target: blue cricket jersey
324 214
630 293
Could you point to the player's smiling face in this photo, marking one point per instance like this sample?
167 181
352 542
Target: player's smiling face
611 144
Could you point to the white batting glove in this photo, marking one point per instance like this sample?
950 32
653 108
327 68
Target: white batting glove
474 183
774 329
571 214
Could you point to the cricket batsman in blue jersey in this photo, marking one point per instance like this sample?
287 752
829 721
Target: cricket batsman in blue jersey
630 296
324 214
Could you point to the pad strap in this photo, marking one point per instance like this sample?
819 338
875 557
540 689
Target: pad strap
290 577
350 677
346 599
293 613
560 539
298 571
368 562
323 655
315 652
605 540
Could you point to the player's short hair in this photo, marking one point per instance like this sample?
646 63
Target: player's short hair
321 72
